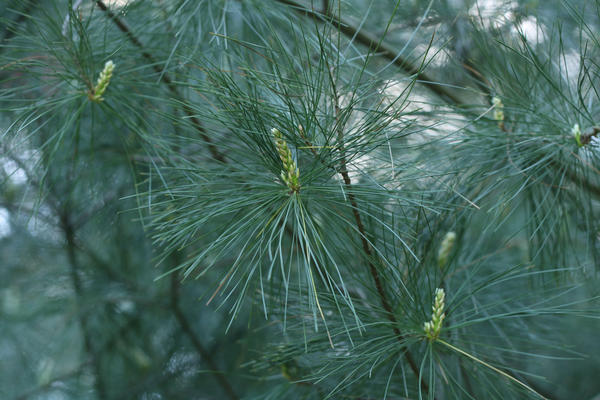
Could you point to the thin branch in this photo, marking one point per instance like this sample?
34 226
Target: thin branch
69 235
165 78
343 171
189 331
376 45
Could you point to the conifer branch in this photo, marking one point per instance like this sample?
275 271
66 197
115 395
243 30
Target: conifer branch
343 171
165 78
69 234
376 45
189 331
59 138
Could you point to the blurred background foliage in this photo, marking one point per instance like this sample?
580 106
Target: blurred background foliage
106 206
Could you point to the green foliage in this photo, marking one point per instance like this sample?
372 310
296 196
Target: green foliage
307 200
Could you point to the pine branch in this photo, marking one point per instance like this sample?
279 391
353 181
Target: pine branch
165 78
343 171
69 235
189 331
374 44
377 45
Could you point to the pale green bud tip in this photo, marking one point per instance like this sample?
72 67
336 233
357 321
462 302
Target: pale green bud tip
498 109
432 328
103 81
576 132
446 248
440 295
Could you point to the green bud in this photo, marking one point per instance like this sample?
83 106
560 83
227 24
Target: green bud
498 109
290 175
102 83
576 132
432 328
446 248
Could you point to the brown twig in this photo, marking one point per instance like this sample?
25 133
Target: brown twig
373 269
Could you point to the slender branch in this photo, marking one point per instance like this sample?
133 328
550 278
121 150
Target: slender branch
375 44
69 235
373 269
189 331
343 171
107 346
165 78
52 200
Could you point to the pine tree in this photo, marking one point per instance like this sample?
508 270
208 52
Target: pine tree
294 199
